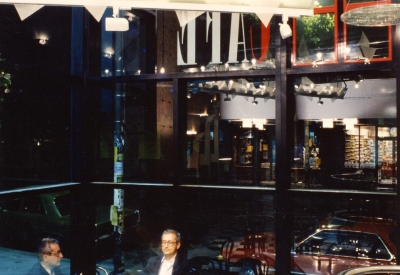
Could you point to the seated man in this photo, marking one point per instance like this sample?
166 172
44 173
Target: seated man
50 256
171 263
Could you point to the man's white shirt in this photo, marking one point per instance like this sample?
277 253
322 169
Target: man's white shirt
166 266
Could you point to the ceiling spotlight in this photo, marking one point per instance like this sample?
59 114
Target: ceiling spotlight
320 102
284 28
255 102
356 85
227 98
189 95
115 23
42 41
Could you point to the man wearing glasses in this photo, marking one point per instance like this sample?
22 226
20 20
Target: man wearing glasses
171 263
50 256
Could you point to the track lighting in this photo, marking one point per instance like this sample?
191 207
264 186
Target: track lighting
284 28
320 102
255 102
227 98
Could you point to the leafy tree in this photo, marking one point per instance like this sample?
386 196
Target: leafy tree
317 30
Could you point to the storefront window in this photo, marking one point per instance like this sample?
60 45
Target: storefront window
315 37
35 134
339 143
365 44
222 230
231 132
334 235
231 42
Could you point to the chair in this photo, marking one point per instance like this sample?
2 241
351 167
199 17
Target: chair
226 250
101 269
201 265
249 266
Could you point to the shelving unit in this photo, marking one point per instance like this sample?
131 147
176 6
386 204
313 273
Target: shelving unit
360 148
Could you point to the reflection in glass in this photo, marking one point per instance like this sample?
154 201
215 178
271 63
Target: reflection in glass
367 43
315 38
231 142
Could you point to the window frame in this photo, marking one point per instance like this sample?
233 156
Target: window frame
320 10
348 7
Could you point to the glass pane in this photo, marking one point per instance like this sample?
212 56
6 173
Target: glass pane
367 43
219 228
323 3
338 140
138 146
315 38
231 135
231 42
128 52
334 235
35 131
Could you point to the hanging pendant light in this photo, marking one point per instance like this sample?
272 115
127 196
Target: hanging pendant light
373 16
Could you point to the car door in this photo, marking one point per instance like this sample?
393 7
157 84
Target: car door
373 251
32 219
324 253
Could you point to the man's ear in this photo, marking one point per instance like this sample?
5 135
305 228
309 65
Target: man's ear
178 245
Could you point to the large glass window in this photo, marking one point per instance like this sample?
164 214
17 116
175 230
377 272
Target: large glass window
366 44
315 37
231 132
345 142
332 235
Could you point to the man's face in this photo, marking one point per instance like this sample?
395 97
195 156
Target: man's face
53 258
169 246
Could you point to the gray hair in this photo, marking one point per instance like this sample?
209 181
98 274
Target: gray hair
44 246
172 231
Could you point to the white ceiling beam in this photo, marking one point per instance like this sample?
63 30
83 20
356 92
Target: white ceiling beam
292 8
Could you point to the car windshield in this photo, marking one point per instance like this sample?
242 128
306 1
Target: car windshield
345 243
63 204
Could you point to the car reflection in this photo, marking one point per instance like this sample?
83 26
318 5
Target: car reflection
337 245
30 217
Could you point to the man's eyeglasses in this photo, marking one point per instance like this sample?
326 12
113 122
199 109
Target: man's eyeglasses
57 254
168 242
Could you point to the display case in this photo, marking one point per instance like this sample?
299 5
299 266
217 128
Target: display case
387 152
360 148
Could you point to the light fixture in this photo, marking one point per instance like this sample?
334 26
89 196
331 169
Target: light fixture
189 95
162 70
255 102
320 102
349 122
327 123
284 28
42 41
191 132
116 23
227 98
373 16
319 59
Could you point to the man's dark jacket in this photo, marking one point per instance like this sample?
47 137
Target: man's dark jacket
37 269
154 264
